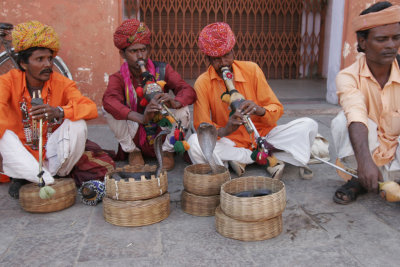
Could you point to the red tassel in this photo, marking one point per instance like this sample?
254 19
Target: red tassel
143 102
262 158
139 91
176 134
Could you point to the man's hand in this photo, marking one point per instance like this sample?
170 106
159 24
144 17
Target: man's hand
248 107
1 163
369 175
151 109
45 112
367 171
234 121
168 100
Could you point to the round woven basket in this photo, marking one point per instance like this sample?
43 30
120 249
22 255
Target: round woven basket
136 213
199 180
253 208
131 189
63 198
199 205
247 231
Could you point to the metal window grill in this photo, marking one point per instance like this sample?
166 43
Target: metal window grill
285 38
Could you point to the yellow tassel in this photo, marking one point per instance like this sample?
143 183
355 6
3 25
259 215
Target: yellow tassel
272 161
171 120
186 145
46 192
161 84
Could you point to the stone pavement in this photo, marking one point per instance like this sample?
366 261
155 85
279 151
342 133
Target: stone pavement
316 231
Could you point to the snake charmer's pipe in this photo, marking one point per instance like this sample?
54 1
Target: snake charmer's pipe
151 88
236 100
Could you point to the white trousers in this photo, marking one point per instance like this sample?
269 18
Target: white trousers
294 139
125 130
344 149
63 150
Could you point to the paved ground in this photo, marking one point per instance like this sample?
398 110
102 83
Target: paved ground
316 232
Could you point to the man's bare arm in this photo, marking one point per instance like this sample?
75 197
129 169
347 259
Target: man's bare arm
368 172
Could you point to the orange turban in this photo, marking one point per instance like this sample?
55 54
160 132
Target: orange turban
388 15
131 32
34 34
216 39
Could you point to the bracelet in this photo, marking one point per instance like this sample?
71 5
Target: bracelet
61 115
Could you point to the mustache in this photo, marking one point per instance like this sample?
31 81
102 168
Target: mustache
47 70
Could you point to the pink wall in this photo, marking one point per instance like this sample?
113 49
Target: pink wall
85 29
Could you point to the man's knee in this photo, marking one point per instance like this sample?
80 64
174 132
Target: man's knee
78 127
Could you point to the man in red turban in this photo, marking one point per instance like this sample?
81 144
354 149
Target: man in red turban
134 121
292 141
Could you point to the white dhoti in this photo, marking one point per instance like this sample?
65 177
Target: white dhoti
344 149
63 150
293 139
125 130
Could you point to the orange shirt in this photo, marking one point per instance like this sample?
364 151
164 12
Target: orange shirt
63 92
251 83
361 97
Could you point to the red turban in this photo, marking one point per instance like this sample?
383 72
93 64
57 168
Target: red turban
216 39
131 32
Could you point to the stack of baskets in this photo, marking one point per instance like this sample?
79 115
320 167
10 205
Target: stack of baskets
251 218
64 196
200 196
130 202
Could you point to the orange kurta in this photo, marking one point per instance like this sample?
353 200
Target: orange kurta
61 91
362 98
250 81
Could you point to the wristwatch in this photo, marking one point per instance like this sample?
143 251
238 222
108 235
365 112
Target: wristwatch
61 115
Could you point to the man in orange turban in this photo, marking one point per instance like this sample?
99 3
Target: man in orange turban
293 140
134 121
366 134
62 108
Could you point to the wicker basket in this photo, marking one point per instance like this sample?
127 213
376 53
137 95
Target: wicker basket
136 213
253 208
247 231
198 179
130 190
63 198
199 205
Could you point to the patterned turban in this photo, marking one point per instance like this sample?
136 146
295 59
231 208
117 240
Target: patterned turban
34 34
131 32
216 39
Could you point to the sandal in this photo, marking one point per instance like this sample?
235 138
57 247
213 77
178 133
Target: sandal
350 190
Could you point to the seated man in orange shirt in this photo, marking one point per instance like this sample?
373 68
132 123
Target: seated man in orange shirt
291 142
366 133
63 111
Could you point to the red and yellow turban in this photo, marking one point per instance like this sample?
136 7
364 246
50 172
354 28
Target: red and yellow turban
131 32
34 34
216 39
388 15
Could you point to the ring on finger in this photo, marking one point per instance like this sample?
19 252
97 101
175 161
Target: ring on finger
46 115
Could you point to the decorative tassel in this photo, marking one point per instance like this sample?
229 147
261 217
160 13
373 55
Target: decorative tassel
171 120
161 84
272 161
181 146
46 192
262 158
143 102
172 140
164 122
139 92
